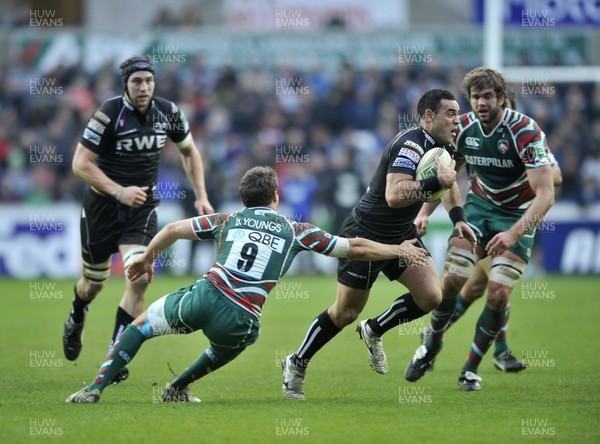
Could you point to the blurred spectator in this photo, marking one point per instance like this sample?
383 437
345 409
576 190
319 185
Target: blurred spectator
340 120
590 176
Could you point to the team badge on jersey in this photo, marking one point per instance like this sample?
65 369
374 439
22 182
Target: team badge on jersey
503 146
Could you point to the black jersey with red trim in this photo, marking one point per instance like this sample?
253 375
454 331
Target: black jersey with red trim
401 155
129 143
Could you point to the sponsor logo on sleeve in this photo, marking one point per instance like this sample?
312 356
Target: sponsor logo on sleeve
93 124
102 117
401 162
91 136
415 157
414 146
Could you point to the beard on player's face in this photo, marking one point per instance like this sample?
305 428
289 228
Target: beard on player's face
490 113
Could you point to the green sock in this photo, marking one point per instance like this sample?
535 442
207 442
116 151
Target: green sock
461 307
501 343
439 319
487 329
213 358
120 354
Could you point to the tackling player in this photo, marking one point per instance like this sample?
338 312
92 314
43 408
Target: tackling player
118 157
255 248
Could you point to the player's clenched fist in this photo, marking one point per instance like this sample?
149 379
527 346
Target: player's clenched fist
134 196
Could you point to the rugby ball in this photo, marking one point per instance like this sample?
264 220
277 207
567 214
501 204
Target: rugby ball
427 167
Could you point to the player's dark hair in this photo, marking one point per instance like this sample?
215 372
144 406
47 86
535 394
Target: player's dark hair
480 78
133 64
432 100
258 186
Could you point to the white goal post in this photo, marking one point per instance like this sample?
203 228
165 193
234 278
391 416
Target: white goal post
493 49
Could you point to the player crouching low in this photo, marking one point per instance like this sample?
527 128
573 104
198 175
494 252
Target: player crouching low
255 248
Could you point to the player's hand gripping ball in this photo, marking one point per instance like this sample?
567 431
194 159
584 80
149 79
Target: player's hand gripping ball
427 167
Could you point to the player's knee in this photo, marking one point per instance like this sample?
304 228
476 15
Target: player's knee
133 254
473 290
89 290
222 355
506 272
429 301
343 316
139 287
94 277
498 297
460 262
452 284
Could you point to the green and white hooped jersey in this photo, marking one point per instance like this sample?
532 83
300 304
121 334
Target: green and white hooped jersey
255 248
498 161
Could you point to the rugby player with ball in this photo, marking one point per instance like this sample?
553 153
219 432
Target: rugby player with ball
386 213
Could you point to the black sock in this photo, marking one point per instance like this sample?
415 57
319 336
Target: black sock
320 332
123 319
401 311
79 308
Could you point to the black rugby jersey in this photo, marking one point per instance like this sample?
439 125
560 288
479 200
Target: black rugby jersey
401 155
129 143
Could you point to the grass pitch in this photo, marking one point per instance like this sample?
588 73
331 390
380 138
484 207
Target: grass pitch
554 326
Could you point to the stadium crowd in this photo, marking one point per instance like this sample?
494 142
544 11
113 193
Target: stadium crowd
322 133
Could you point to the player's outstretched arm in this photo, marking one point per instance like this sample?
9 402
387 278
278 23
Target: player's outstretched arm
165 238
368 250
557 178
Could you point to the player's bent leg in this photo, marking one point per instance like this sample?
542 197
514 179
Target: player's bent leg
212 359
429 296
132 302
348 304
120 354
86 289
458 266
153 322
424 293
505 271
424 285
476 284
133 297
473 289
504 360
